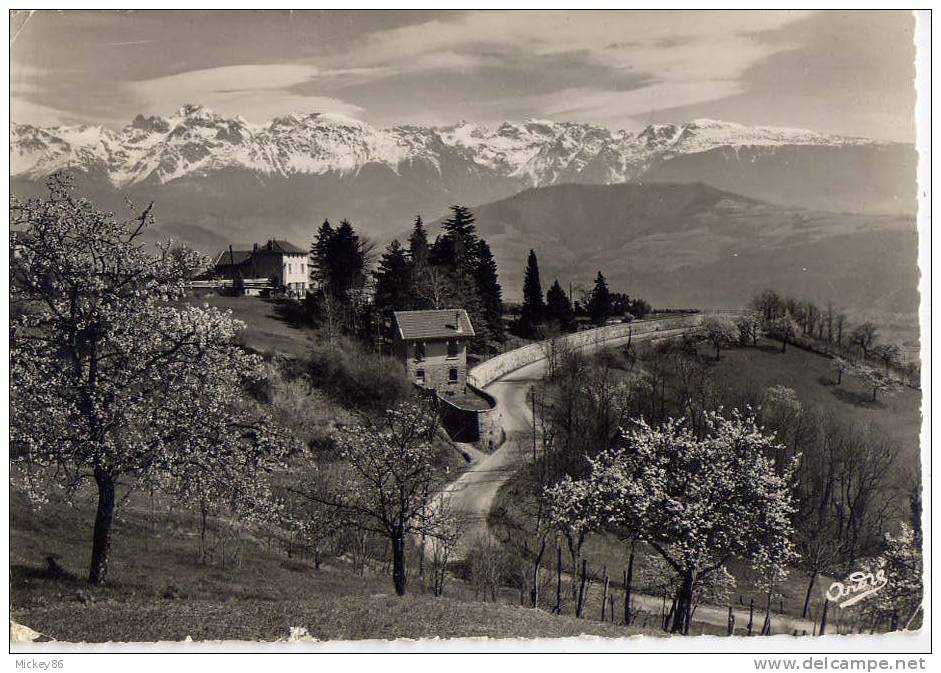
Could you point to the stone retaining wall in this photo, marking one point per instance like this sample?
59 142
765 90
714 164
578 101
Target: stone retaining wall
609 335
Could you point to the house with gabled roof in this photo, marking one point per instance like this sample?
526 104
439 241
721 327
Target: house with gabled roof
283 263
432 346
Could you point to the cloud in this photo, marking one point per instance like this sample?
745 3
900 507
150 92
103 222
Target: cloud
618 108
684 56
23 111
257 92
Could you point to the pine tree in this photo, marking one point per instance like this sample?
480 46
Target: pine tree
394 287
534 308
559 308
456 248
418 245
489 291
345 261
599 306
319 252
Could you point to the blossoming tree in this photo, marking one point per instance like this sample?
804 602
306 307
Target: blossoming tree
113 382
699 501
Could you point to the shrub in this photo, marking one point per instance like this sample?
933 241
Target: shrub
353 376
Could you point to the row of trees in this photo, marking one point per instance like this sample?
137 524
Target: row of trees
556 312
792 320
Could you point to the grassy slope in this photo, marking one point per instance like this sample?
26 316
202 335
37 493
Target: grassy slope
267 330
159 592
897 415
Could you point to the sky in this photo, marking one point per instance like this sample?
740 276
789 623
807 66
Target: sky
842 72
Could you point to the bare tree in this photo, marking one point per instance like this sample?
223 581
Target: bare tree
392 479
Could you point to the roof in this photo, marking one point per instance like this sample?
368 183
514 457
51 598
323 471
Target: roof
435 324
237 257
275 245
243 254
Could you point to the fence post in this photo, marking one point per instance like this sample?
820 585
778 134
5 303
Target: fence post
604 592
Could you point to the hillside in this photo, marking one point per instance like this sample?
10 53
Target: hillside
693 245
159 591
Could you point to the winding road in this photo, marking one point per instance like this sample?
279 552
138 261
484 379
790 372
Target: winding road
472 495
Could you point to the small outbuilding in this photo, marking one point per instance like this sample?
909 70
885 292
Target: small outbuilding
432 345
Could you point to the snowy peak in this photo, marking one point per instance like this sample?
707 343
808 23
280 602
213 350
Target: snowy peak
196 141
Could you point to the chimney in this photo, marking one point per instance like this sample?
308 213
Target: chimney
457 321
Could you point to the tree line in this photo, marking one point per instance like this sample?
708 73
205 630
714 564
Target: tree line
555 312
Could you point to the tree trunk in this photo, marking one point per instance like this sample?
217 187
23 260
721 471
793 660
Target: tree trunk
628 581
398 560
731 622
684 605
581 589
751 615
604 593
839 376
810 588
823 618
104 518
558 580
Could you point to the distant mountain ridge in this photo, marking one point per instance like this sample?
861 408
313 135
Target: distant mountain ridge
196 141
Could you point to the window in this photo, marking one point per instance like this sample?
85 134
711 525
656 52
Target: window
452 375
420 377
289 267
419 350
452 349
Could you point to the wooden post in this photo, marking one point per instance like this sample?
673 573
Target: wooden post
823 617
611 603
751 615
604 592
731 629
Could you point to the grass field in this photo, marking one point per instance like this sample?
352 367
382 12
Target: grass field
898 415
268 329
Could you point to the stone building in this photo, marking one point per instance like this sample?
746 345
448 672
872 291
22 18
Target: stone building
432 345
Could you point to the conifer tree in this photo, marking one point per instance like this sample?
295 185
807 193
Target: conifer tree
489 291
559 307
346 262
533 312
394 287
599 306
418 245
319 251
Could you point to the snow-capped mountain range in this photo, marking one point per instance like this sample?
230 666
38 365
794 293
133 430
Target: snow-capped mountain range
196 141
